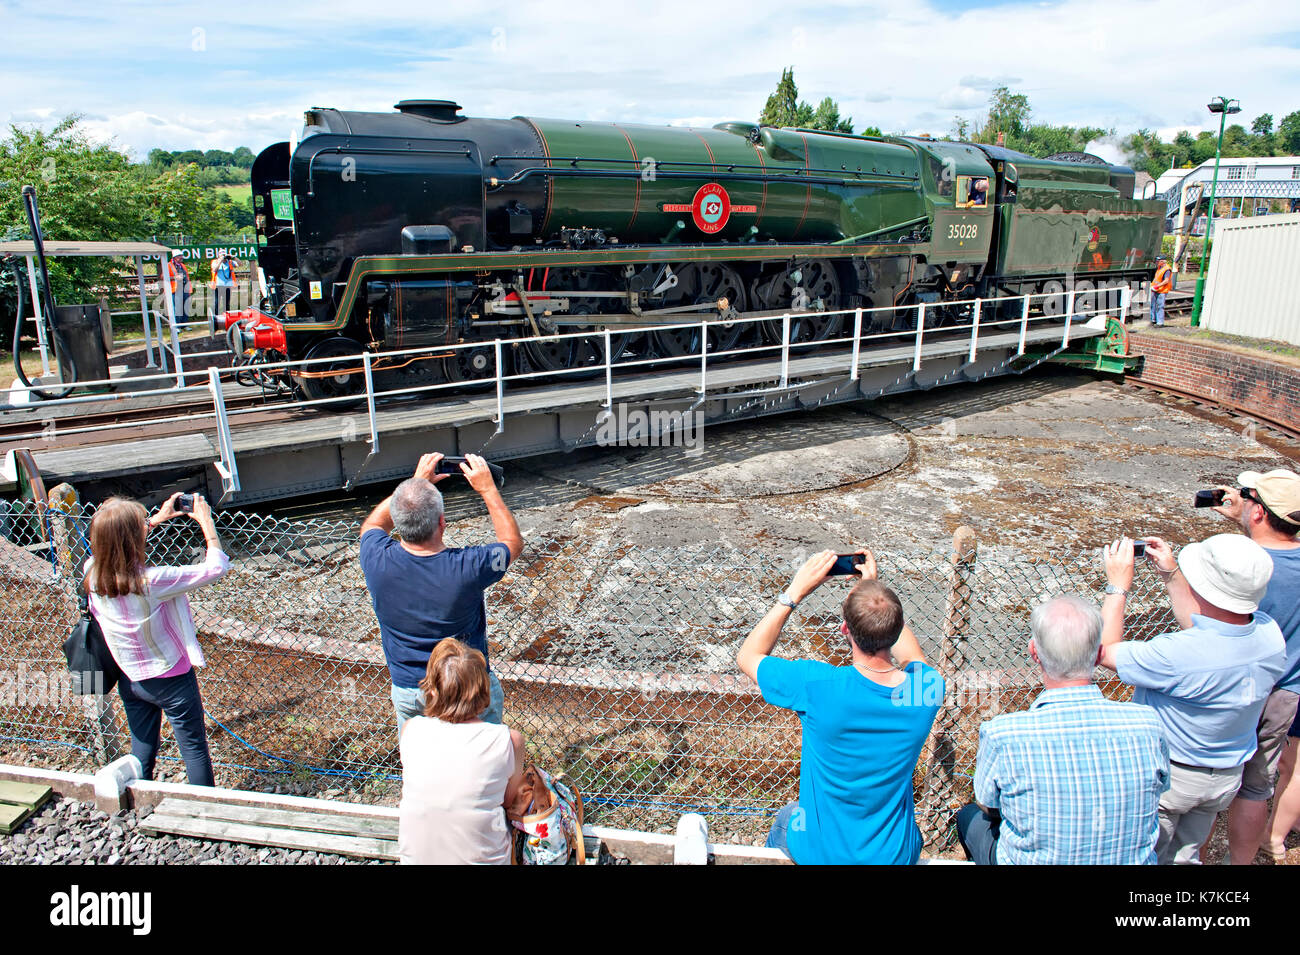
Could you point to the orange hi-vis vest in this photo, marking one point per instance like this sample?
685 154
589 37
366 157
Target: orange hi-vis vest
1164 280
176 268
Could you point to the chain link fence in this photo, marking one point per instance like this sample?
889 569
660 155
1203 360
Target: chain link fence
618 662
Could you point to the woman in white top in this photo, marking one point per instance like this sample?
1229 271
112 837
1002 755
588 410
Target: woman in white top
144 614
458 772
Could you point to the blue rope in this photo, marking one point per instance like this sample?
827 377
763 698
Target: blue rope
657 804
47 742
318 770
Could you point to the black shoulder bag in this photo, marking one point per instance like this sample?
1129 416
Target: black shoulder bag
94 671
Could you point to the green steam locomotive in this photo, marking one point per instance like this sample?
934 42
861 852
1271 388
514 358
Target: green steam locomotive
423 228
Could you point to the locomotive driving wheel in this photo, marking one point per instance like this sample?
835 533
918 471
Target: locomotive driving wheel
470 364
337 379
812 286
706 283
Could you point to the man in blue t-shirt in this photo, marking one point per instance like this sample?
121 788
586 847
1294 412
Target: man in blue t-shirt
1267 507
863 725
1207 682
421 589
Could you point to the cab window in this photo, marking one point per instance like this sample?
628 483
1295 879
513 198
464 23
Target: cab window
972 192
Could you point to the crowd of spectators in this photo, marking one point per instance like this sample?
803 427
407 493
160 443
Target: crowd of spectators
1074 779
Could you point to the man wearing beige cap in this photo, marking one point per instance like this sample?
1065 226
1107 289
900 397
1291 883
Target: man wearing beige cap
1267 506
1207 682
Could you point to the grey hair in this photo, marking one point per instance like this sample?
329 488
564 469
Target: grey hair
416 508
1067 633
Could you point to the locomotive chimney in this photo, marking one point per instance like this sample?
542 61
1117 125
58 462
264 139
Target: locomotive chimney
438 110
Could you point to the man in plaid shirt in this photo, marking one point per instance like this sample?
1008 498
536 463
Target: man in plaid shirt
1076 779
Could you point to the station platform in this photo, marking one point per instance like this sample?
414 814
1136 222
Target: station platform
311 450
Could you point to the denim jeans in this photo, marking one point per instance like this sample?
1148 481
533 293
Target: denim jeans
409 701
978 834
178 697
1158 308
776 839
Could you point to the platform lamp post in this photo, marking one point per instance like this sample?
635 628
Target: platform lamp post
1223 106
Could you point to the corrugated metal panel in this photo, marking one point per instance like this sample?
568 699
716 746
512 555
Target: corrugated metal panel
1254 268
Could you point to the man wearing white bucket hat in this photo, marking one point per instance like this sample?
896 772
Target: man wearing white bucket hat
1208 682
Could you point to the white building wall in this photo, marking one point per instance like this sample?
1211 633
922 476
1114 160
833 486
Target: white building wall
1251 286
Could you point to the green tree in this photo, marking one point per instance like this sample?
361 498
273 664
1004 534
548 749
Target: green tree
85 190
244 157
1262 125
784 108
1008 115
92 191
960 128
827 117
1288 134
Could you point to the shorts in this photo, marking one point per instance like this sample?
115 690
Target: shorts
1259 775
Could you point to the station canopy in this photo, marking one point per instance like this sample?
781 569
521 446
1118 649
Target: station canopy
54 249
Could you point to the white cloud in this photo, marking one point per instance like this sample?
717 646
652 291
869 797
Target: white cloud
886 63
962 97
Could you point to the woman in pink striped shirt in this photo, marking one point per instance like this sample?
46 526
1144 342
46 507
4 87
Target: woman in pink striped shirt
145 617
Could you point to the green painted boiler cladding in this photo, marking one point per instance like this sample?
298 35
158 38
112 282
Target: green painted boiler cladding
423 227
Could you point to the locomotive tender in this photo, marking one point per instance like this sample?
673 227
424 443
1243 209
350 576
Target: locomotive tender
423 228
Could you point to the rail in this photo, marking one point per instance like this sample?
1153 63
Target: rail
982 321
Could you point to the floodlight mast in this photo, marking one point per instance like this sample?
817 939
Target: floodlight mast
1224 107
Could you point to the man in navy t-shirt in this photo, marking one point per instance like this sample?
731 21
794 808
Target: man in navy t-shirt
1267 506
421 589
863 725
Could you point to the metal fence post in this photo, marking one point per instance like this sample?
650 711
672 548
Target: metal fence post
1024 325
501 388
974 331
704 358
71 551
226 466
609 374
144 312
952 660
1069 314
165 261
920 334
370 406
857 343
785 350
38 316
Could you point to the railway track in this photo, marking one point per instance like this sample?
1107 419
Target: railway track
23 429
1221 407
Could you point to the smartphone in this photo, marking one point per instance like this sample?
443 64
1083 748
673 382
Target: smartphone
846 564
1139 548
185 504
451 465
1209 498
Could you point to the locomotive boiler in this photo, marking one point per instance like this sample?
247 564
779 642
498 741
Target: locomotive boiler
423 228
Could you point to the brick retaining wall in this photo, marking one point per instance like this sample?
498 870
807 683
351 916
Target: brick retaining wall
1232 379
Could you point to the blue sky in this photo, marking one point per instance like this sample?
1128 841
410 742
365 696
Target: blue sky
181 75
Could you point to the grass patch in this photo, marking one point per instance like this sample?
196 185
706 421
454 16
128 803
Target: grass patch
1265 346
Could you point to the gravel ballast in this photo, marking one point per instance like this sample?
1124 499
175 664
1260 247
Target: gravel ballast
67 832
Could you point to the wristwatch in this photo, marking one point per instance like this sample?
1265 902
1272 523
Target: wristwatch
1112 589
785 600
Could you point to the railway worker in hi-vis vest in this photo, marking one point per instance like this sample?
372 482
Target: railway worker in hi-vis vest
1161 286
178 277
223 281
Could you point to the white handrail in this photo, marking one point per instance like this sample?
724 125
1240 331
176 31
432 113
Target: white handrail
500 379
